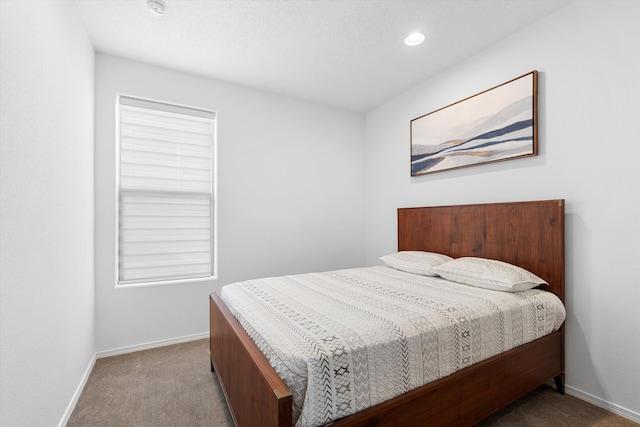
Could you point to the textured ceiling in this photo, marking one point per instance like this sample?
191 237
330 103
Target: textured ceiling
346 53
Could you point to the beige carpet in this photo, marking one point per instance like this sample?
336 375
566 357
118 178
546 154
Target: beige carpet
173 386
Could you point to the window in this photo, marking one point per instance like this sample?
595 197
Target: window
165 194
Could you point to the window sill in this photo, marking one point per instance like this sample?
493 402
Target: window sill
165 282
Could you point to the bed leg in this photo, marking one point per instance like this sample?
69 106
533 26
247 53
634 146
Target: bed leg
559 379
213 370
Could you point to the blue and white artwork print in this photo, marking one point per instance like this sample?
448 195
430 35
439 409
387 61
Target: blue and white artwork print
497 124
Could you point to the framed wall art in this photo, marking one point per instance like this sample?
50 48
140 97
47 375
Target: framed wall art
494 125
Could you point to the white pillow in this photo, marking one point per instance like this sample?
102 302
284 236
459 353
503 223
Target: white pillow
416 262
488 274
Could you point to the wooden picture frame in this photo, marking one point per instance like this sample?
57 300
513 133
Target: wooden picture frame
494 125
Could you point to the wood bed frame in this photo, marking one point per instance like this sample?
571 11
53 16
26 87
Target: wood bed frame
527 234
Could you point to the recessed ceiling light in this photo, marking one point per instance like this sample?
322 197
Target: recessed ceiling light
157 6
414 39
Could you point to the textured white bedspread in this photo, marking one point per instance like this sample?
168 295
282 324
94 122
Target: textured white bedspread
346 340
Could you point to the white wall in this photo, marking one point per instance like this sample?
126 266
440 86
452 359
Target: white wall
290 179
46 210
587 56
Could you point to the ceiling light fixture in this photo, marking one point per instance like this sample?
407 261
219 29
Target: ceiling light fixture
157 6
414 39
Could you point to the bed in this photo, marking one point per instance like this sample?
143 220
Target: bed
526 234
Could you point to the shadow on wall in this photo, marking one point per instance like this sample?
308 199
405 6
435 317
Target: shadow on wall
577 347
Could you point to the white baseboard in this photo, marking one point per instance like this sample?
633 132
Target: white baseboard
76 395
149 345
611 407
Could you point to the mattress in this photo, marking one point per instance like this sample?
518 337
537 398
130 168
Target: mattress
345 340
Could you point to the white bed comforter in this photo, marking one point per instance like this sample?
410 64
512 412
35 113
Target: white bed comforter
346 340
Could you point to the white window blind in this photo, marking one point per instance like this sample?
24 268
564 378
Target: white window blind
166 200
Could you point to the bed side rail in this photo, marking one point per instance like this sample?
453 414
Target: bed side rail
255 394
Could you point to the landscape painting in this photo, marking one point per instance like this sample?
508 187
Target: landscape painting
497 124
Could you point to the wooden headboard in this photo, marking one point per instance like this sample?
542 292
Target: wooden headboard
527 234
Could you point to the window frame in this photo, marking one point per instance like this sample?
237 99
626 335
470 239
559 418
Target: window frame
179 108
